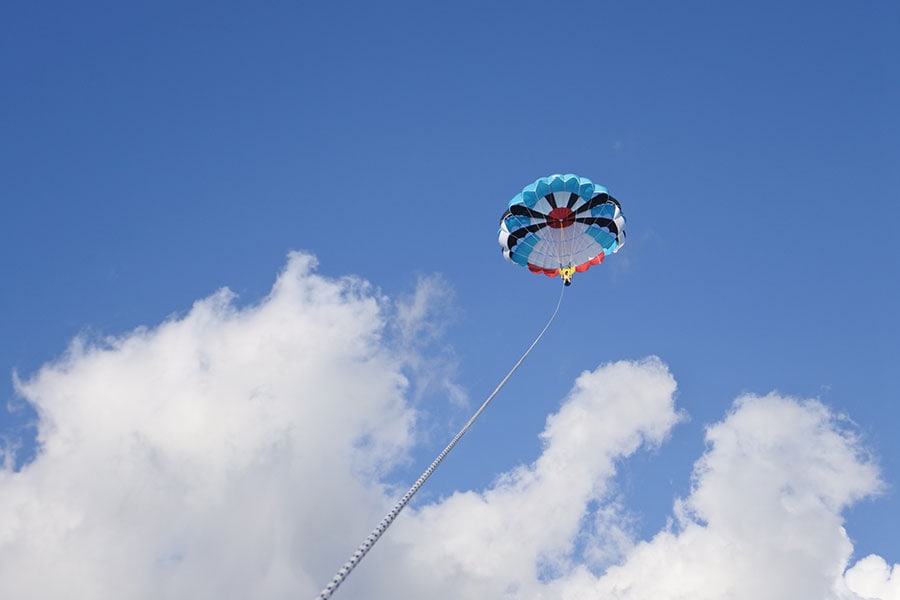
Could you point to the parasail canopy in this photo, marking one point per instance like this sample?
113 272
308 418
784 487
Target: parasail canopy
560 225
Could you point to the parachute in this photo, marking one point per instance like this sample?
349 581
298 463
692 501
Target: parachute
560 225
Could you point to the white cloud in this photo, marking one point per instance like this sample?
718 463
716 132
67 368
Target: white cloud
763 519
524 529
243 452
201 458
871 577
420 319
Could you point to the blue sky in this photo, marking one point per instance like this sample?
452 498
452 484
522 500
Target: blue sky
154 154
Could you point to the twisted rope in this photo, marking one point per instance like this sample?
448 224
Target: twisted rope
357 556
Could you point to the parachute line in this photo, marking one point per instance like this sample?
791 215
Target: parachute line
373 537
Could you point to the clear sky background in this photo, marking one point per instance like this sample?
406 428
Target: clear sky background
152 155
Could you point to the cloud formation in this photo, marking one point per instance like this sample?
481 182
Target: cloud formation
189 459
240 452
763 519
527 525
